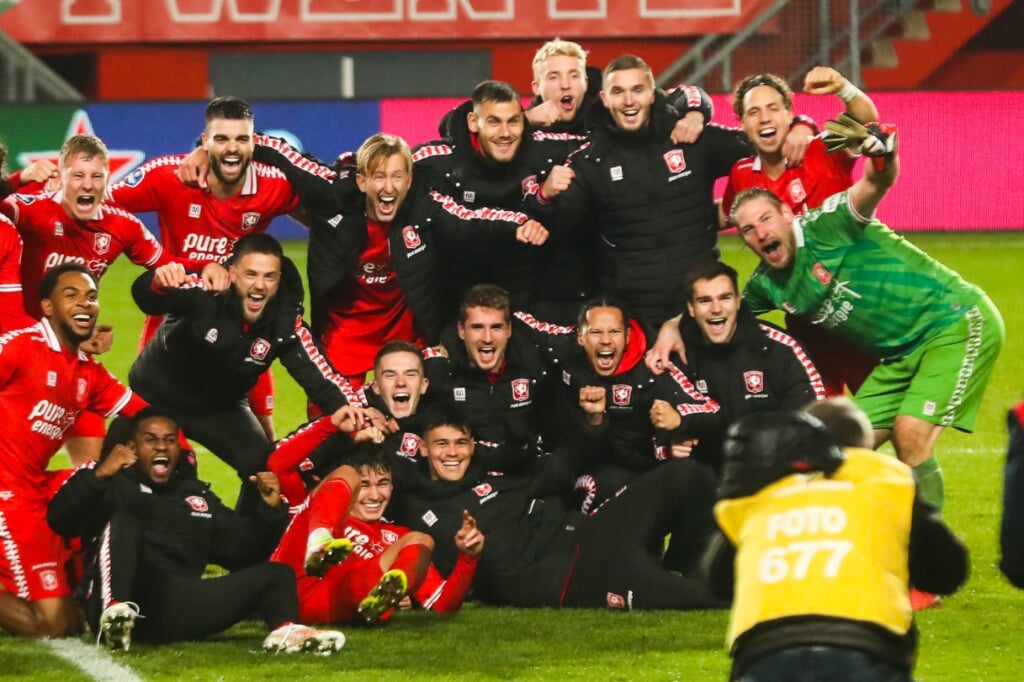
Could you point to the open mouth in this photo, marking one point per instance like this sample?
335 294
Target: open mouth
386 204
231 162
161 465
86 201
605 359
254 302
568 103
716 323
401 398
487 354
82 319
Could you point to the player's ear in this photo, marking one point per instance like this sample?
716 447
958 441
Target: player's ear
47 306
473 121
361 182
423 385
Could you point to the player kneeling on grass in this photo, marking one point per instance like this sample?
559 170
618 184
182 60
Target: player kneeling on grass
158 527
819 544
344 518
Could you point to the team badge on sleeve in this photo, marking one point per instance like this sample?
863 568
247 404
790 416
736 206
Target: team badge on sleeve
410 236
754 380
675 160
49 579
520 389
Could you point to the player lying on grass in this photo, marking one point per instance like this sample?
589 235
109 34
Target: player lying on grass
385 562
158 527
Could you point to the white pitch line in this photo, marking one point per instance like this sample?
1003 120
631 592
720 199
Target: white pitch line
91 659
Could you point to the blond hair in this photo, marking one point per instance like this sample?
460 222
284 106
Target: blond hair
88 146
379 148
554 48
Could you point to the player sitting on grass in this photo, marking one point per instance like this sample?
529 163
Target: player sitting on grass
158 528
385 562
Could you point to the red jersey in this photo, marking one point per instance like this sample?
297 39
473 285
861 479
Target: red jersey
369 541
12 308
43 387
52 237
367 308
802 187
194 224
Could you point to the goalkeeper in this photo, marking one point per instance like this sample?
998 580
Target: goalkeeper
763 104
937 335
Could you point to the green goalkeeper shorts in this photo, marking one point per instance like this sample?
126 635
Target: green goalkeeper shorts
941 382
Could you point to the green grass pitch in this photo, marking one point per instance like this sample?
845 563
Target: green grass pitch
976 635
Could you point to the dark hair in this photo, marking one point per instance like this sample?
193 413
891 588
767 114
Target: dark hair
844 420
494 91
397 346
368 455
49 281
709 270
625 63
485 296
768 79
232 108
600 302
444 414
123 430
257 242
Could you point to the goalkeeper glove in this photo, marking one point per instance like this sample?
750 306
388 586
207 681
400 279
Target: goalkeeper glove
875 140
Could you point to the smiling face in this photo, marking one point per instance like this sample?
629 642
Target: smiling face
449 451
229 144
386 186
72 308
399 381
628 95
499 128
766 120
562 79
157 448
374 493
85 181
768 230
485 332
714 307
256 278
604 338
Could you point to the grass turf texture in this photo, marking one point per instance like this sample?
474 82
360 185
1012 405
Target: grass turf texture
976 635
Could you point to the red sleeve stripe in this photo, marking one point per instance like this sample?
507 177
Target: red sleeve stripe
544 327
320 362
429 150
779 336
449 205
294 157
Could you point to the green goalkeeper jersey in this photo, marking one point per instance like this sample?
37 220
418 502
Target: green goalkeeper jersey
862 280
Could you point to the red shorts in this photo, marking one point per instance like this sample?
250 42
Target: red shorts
840 364
335 597
32 556
261 397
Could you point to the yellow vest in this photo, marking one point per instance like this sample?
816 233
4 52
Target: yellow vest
836 547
